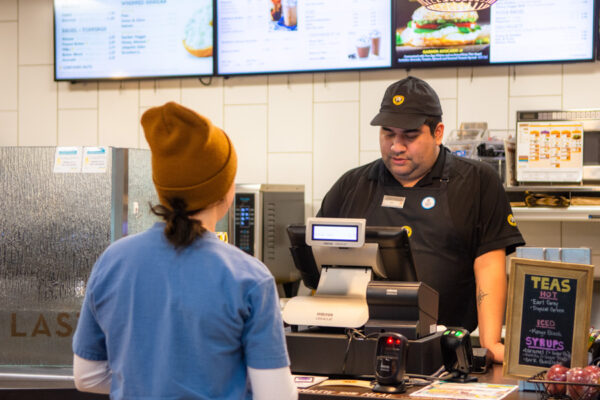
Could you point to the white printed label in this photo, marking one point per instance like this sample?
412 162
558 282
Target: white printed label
393 201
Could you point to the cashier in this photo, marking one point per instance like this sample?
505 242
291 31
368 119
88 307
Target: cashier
456 211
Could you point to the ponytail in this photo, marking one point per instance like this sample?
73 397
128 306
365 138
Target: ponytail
181 230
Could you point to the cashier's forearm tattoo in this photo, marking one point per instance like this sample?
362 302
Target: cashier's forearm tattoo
480 296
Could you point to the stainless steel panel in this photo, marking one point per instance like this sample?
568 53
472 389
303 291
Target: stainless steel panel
53 226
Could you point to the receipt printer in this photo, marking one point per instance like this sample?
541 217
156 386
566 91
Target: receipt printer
409 308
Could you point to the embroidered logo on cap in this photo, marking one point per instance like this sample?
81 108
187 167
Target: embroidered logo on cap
511 220
428 203
398 99
408 230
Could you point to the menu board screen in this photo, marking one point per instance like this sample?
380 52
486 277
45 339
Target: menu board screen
119 39
261 36
549 151
509 32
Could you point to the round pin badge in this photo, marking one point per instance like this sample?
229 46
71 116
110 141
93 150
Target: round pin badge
428 203
408 230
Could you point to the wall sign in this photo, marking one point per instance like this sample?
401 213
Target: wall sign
548 315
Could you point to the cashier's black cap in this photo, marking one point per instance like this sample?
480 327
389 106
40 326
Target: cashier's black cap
407 103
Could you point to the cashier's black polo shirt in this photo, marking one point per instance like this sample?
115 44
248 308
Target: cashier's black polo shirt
479 208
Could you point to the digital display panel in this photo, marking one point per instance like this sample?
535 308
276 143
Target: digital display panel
508 32
269 36
338 233
120 39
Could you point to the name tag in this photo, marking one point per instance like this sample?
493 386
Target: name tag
393 201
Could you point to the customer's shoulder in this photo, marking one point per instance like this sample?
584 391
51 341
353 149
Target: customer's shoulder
231 257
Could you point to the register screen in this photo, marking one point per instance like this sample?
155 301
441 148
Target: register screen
335 232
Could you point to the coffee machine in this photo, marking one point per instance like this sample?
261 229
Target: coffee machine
257 222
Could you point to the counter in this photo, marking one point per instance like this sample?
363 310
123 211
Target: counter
347 392
57 384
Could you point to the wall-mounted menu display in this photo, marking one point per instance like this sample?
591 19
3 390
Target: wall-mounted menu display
119 39
509 32
261 36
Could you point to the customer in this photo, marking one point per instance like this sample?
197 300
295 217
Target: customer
173 312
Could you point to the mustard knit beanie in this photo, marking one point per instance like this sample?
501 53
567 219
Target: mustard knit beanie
191 158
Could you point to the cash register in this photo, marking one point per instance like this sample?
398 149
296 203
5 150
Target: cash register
365 282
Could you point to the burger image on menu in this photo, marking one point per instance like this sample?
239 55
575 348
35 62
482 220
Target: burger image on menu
429 28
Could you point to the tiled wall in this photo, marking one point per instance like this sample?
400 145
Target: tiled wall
301 128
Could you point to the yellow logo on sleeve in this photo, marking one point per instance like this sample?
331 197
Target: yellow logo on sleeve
397 100
511 220
408 230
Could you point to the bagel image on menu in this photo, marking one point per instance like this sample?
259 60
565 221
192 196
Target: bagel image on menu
429 28
198 33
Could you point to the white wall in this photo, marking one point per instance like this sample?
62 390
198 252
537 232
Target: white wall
301 128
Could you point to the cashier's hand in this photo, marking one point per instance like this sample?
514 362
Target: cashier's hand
491 284
497 351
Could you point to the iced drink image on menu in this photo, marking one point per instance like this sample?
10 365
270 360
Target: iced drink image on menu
289 9
363 47
375 41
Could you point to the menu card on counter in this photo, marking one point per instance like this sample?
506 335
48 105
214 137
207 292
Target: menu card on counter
548 315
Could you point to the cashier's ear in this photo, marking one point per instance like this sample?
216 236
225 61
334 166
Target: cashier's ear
438 134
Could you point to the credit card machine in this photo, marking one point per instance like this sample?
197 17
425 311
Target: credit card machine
390 363
457 354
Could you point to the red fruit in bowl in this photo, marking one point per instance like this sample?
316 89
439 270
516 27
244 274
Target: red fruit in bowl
579 392
594 378
594 370
557 373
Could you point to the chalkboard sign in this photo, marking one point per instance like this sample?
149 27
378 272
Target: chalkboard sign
548 315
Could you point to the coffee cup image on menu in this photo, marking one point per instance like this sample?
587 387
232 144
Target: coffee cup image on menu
375 38
366 46
289 10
